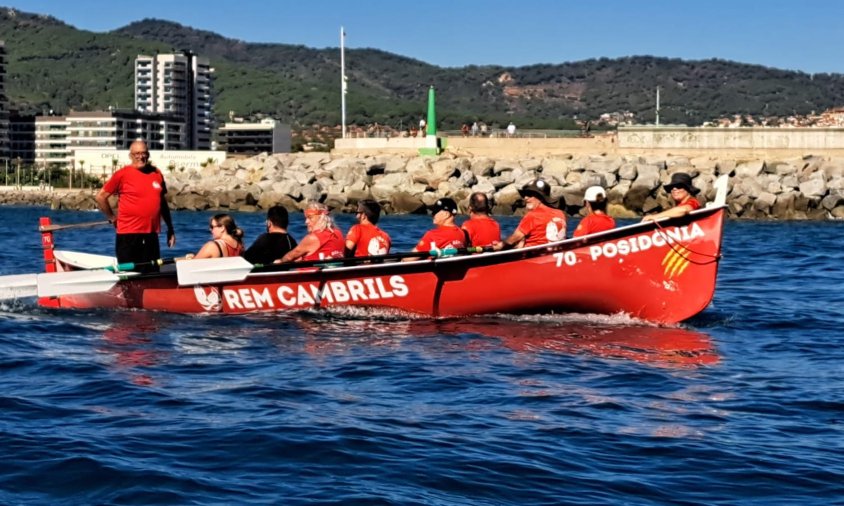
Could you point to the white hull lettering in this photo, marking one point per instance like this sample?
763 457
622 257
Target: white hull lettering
399 286
306 295
639 243
249 298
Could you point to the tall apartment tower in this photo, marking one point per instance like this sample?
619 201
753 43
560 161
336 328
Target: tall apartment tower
178 85
4 107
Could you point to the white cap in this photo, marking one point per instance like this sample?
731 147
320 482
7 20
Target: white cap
593 192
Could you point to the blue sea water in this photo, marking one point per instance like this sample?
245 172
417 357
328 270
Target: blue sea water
744 404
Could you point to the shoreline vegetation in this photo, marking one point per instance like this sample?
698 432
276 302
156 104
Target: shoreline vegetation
790 188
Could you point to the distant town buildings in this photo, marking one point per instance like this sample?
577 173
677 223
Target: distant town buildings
265 136
179 85
173 111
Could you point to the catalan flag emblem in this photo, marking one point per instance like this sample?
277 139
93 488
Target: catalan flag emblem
675 261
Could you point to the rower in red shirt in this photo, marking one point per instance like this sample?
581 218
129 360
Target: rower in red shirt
365 238
446 234
596 219
324 240
482 228
542 224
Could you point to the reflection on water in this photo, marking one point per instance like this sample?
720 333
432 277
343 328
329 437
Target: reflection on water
607 337
665 346
129 340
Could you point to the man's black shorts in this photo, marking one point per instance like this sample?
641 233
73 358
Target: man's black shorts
138 248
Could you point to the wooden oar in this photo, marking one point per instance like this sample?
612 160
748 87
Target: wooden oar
53 228
229 269
51 284
130 266
18 286
212 270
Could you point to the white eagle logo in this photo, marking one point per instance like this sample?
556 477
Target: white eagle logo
210 300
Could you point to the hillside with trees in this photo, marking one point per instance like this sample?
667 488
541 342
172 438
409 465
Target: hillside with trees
54 66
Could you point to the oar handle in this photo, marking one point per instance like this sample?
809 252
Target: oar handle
128 266
53 228
339 262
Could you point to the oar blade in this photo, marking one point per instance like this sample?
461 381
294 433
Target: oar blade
18 286
212 270
54 284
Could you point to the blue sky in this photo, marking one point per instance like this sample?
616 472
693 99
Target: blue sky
800 35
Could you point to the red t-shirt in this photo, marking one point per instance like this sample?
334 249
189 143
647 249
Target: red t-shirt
691 202
543 225
369 240
331 245
139 199
442 237
594 223
483 230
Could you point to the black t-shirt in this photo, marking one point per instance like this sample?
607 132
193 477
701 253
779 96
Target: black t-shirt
268 247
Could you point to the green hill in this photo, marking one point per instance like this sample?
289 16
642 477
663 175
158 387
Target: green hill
52 65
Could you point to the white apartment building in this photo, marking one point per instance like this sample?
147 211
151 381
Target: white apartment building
59 138
179 85
266 136
51 144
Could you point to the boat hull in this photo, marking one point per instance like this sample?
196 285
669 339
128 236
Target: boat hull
663 272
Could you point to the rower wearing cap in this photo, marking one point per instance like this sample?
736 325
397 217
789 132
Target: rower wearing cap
446 234
542 224
683 193
597 219
324 240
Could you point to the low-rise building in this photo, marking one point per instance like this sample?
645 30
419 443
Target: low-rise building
265 136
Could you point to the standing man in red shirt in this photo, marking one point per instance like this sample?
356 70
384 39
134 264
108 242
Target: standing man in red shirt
683 194
446 234
141 207
365 238
597 219
542 224
483 230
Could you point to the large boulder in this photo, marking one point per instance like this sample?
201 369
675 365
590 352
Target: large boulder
405 203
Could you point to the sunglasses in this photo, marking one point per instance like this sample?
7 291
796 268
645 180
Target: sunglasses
212 226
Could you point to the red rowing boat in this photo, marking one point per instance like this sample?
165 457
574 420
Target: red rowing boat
661 271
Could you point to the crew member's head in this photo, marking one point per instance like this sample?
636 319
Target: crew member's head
277 217
681 187
595 198
139 153
221 223
443 211
479 203
369 209
317 218
537 192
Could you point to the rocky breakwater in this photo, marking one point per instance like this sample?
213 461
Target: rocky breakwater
793 188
